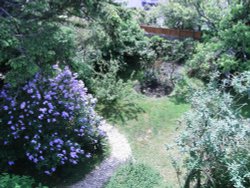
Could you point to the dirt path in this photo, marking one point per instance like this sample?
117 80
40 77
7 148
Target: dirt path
120 153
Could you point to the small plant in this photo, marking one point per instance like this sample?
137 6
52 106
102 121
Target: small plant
151 78
109 88
15 181
186 86
50 122
135 176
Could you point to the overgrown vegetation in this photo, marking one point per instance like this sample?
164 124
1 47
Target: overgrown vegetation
189 14
47 114
115 43
216 140
216 136
15 181
226 50
225 26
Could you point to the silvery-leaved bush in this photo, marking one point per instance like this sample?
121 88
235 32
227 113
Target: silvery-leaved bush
48 121
215 140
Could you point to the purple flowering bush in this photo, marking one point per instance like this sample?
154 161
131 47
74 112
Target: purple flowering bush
50 122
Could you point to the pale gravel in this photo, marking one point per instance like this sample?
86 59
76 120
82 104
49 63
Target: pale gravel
120 154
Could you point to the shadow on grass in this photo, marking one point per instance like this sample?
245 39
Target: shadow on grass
178 99
120 112
245 109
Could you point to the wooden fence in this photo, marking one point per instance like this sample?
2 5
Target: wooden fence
172 33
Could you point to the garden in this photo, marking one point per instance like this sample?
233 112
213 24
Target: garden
88 98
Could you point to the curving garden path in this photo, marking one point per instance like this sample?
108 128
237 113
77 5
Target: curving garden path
120 153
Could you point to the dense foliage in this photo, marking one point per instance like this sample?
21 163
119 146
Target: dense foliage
228 49
33 39
49 121
109 89
225 27
136 176
171 50
188 14
114 45
215 140
15 181
47 117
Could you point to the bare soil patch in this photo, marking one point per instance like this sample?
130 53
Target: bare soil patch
159 80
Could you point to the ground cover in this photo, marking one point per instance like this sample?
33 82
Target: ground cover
135 175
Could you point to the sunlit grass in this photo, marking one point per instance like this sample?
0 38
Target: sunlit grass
152 130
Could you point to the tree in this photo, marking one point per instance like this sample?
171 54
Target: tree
33 38
227 50
192 14
111 45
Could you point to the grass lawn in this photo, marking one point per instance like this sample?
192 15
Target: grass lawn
152 130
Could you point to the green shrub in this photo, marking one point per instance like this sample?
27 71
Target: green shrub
109 88
203 61
116 97
27 46
228 51
171 50
15 181
135 176
185 87
178 16
215 141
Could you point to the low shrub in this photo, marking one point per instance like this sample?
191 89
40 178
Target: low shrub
135 176
15 181
109 88
49 122
185 86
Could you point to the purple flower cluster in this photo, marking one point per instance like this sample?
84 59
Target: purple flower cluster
52 118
